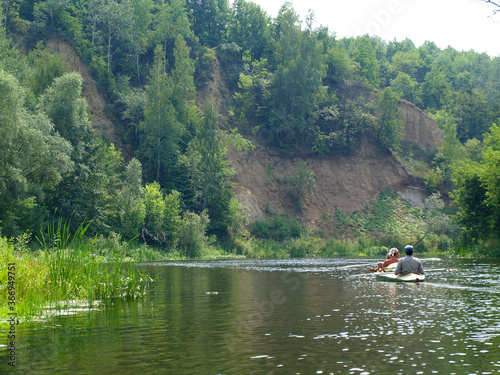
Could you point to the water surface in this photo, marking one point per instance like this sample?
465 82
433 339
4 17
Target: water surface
310 316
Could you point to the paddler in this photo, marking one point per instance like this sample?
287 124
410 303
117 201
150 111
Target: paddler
392 257
409 263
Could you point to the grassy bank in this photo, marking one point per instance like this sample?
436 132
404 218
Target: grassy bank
65 273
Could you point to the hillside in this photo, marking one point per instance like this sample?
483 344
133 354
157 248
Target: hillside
346 183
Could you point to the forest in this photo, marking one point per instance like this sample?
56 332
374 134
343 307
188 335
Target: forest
167 182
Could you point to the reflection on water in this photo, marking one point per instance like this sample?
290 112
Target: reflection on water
319 316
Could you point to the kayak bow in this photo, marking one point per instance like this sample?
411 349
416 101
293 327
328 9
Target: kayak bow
409 277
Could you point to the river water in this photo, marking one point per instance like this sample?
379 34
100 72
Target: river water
307 316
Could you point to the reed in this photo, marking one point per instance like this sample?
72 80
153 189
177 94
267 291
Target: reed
65 272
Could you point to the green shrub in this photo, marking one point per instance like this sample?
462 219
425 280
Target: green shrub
278 228
192 234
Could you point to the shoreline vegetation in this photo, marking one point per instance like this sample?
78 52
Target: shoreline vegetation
66 272
60 266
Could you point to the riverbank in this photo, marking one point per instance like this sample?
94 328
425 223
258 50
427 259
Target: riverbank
31 281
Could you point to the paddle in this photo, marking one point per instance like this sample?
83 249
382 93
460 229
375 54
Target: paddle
356 265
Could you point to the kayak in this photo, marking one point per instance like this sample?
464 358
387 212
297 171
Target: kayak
409 277
390 268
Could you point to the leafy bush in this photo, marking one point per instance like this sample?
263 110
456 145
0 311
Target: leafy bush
230 57
192 234
278 228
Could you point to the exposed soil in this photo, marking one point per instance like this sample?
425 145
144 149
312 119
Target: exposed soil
348 183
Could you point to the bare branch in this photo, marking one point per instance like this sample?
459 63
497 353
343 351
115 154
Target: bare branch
494 3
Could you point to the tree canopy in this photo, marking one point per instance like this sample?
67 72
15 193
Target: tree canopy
299 89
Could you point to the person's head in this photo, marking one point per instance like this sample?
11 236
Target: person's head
409 250
394 252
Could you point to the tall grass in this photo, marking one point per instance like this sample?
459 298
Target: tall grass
77 272
66 272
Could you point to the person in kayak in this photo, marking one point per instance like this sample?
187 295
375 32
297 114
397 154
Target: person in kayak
392 257
409 263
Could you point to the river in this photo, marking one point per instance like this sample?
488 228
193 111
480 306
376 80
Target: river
305 316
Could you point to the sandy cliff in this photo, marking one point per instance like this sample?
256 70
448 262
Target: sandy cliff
348 183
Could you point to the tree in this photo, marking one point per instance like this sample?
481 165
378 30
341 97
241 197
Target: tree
133 211
405 87
477 193
339 127
184 92
209 20
210 172
451 153
470 196
435 89
339 65
135 102
118 25
192 233
160 130
163 220
389 125
33 160
63 103
47 67
297 82
249 28
471 114
491 176
364 55
49 9
170 21
407 62
141 33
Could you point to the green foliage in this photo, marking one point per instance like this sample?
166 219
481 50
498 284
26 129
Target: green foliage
301 181
62 102
294 87
192 234
389 126
47 67
210 172
249 28
133 213
339 127
230 58
277 228
205 67
477 194
162 220
209 20
451 153
160 130
435 89
364 55
34 158
405 87
391 221
65 272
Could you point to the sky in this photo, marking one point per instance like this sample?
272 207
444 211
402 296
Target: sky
462 24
